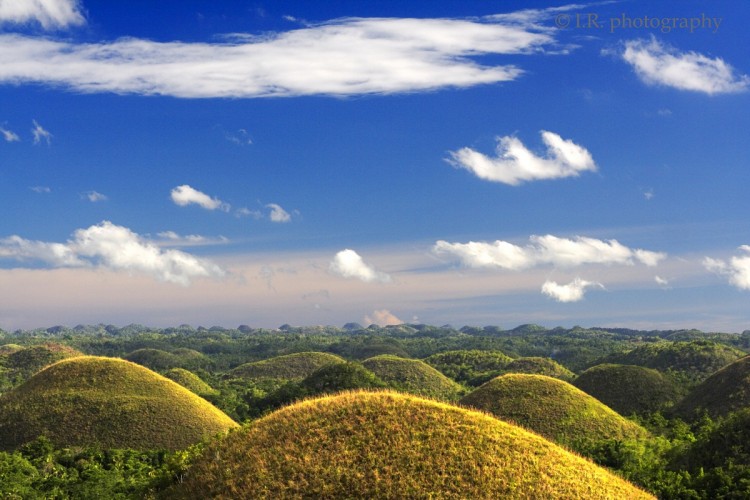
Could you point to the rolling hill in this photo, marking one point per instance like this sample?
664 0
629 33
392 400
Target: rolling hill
108 402
535 365
469 366
391 445
725 391
288 367
413 376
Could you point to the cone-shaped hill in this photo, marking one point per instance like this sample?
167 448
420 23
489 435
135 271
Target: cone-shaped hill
688 362
27 361
109 402
191 381
539 366
629 389
391 445
413 376
725 391
470 366
553 408
288 367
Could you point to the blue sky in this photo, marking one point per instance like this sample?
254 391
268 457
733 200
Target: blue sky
225 163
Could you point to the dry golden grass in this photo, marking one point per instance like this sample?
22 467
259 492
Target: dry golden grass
288 367
392 445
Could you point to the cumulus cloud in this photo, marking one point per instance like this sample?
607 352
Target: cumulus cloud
382 317
185 195
349 264
50 14
40 134
515 164
737 270
572 292
350 56
94 196
9 135
545 250
278 214
115 248
657 63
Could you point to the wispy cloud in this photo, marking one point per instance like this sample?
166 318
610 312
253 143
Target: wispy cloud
515 164
94 196
241 137
40 134
657 63
349 264
662 282
185 195
572 292
737 270
545 250
40 189
50 14
382 317
115 248
350 56
172 238
9 135
278 214
246 212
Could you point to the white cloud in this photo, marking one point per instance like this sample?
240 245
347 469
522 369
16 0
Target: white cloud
40 189
382 317
40 134
350 56
94 196
246 212
656 63
572 292
515 164
349 264
544 250
737 270
662 282
115 248
186 195
9 135
49 13
172 238
241 137
278 214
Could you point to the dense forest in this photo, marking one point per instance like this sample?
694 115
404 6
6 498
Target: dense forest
665 410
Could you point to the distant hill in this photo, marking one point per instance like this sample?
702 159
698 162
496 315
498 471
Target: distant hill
539 366
553 408
288 367
725 391
413 376
190 381
471 367
390 445
687 362
629 389
159 360
23 363
87 400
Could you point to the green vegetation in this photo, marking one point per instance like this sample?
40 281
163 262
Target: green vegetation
553 408
290 367
539 366
629 389
108 402
22 363
190 381
389 445
687 362
470 367
725 391
413 376
154 359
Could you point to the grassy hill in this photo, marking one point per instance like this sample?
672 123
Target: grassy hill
288 367
390 445
725 391
539 366
190 381
29 360
629 389
109 402
471 367
413 376
687 362
553 408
